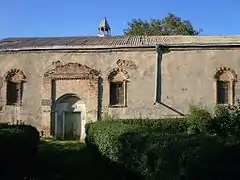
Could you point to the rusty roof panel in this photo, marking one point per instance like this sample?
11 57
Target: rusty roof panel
111 41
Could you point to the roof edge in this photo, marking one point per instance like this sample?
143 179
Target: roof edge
186 45
181 45
75 48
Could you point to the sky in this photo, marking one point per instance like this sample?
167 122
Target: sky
51 18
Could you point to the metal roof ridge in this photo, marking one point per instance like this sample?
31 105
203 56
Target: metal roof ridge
74 47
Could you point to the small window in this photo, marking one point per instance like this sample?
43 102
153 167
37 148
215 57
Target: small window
116 93
15 80
225 85
118 79
223 92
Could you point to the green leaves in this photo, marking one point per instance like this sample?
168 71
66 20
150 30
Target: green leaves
18 146
202 145
170 25
155 154
198 120
104 135
226 121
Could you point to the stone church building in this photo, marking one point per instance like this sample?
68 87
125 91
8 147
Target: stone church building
59 84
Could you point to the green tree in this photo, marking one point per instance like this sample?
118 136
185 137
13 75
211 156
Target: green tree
170 25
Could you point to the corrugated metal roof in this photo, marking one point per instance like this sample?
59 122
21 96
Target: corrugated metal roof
109 42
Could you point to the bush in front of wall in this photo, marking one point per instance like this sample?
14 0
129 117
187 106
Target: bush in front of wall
226 121
169 156
166 125
104 135
152 154
198 120
18 146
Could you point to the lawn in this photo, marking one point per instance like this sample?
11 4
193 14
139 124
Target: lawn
58 160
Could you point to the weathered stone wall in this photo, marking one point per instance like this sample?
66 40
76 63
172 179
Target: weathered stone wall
35 64
186 77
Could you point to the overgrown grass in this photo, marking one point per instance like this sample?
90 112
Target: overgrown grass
59 160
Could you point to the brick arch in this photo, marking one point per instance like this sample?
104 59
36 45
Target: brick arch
72 71
224 73
15 80
54 79
15 75
118 74
225 79
118 79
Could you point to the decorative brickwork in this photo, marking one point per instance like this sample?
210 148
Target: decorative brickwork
15 75
118 74
118 79
15 79
222 72
72 78
225 79
72 71
122 63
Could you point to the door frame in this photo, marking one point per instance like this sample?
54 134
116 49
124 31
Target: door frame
81 110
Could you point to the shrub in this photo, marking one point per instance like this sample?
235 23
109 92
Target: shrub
221 123
160 155
4 125
198 120
202 145
226 121
169 125
166 156
18 145
104 135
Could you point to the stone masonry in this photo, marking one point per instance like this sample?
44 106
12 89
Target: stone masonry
185 76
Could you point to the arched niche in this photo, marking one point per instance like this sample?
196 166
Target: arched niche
69 121
118 79
225 79
72 71
15 80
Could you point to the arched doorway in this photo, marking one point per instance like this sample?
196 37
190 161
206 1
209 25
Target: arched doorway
68 113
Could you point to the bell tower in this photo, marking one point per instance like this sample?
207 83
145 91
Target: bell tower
104 28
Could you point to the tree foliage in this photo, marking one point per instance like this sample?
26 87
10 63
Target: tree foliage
170 25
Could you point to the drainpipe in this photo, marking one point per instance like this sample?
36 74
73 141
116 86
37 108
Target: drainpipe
158 75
